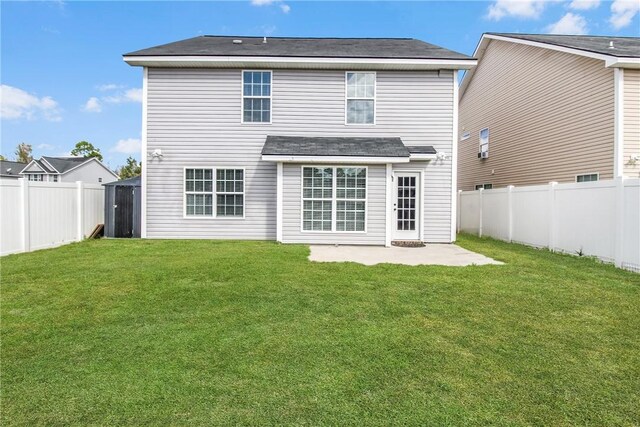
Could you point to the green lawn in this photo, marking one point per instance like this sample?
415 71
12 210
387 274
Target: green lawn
230 333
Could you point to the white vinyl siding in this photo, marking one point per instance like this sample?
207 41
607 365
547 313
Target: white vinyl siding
631 122
192 116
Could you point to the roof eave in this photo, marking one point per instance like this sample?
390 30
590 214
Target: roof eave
299 62
619 62
333 159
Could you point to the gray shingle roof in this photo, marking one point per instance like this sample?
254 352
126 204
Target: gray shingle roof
129 182
628 47
63 164
302 47
9 168
421 149
334 146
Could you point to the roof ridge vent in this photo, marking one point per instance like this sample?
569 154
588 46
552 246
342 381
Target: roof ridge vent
237 41
611 46
264 40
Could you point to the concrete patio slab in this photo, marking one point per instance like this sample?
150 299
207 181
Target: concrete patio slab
432 254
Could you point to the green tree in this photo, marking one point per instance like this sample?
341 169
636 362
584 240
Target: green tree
86 150
2 157
23 153
131 169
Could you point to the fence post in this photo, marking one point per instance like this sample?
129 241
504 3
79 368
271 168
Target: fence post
26 221
619 232
80 201
509 213
480 213
459 212
552 215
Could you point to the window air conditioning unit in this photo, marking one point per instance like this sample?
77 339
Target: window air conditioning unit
483 155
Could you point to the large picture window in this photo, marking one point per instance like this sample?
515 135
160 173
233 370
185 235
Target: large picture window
334 199
200 192
361 93
256 96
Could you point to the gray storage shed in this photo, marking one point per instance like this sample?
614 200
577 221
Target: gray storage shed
123 208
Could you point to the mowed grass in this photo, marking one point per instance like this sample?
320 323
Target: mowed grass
131 332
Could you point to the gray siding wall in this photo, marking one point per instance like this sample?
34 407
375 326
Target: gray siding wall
193 115
91 173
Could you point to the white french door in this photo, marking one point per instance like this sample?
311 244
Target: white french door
406 206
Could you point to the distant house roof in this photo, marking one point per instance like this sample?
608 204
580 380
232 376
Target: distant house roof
627 47
334 146
63 164
208 45
11 169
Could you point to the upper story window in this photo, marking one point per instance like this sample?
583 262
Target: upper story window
361 98
256 96
483 150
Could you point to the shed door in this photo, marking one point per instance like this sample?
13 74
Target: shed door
123 216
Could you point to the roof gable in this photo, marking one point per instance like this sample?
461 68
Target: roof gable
64 164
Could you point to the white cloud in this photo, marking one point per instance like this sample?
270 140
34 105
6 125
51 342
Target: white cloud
623 12
45 147
93 105
584 4
127 146
284 7
130 95
570 23
516 8
17 104
109 87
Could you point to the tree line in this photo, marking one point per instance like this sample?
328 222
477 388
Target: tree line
84 149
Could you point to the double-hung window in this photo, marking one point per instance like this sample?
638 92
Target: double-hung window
483 150
206 198
361 94
256 96
35 177
334 198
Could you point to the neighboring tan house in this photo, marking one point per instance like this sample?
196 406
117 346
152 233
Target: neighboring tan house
68 169
300 140
9 169
541 108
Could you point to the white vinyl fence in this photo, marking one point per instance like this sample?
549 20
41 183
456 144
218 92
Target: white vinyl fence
38 215
599 218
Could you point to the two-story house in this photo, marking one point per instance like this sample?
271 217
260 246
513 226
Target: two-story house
542 108
301 140
67 169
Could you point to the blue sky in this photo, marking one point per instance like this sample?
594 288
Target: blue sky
63 78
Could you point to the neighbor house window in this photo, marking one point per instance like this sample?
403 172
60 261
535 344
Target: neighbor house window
256 96
199 192
334 198
230 192
35 177
589 177
361 93
55 178
483 152
484 186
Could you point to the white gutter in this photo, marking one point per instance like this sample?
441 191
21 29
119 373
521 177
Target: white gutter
333 159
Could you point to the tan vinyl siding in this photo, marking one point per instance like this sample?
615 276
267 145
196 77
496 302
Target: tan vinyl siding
550 117
631 122
194 118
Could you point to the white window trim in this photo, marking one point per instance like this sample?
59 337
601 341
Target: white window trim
597 174
375 98
334 200
214 193
243 97
480 144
